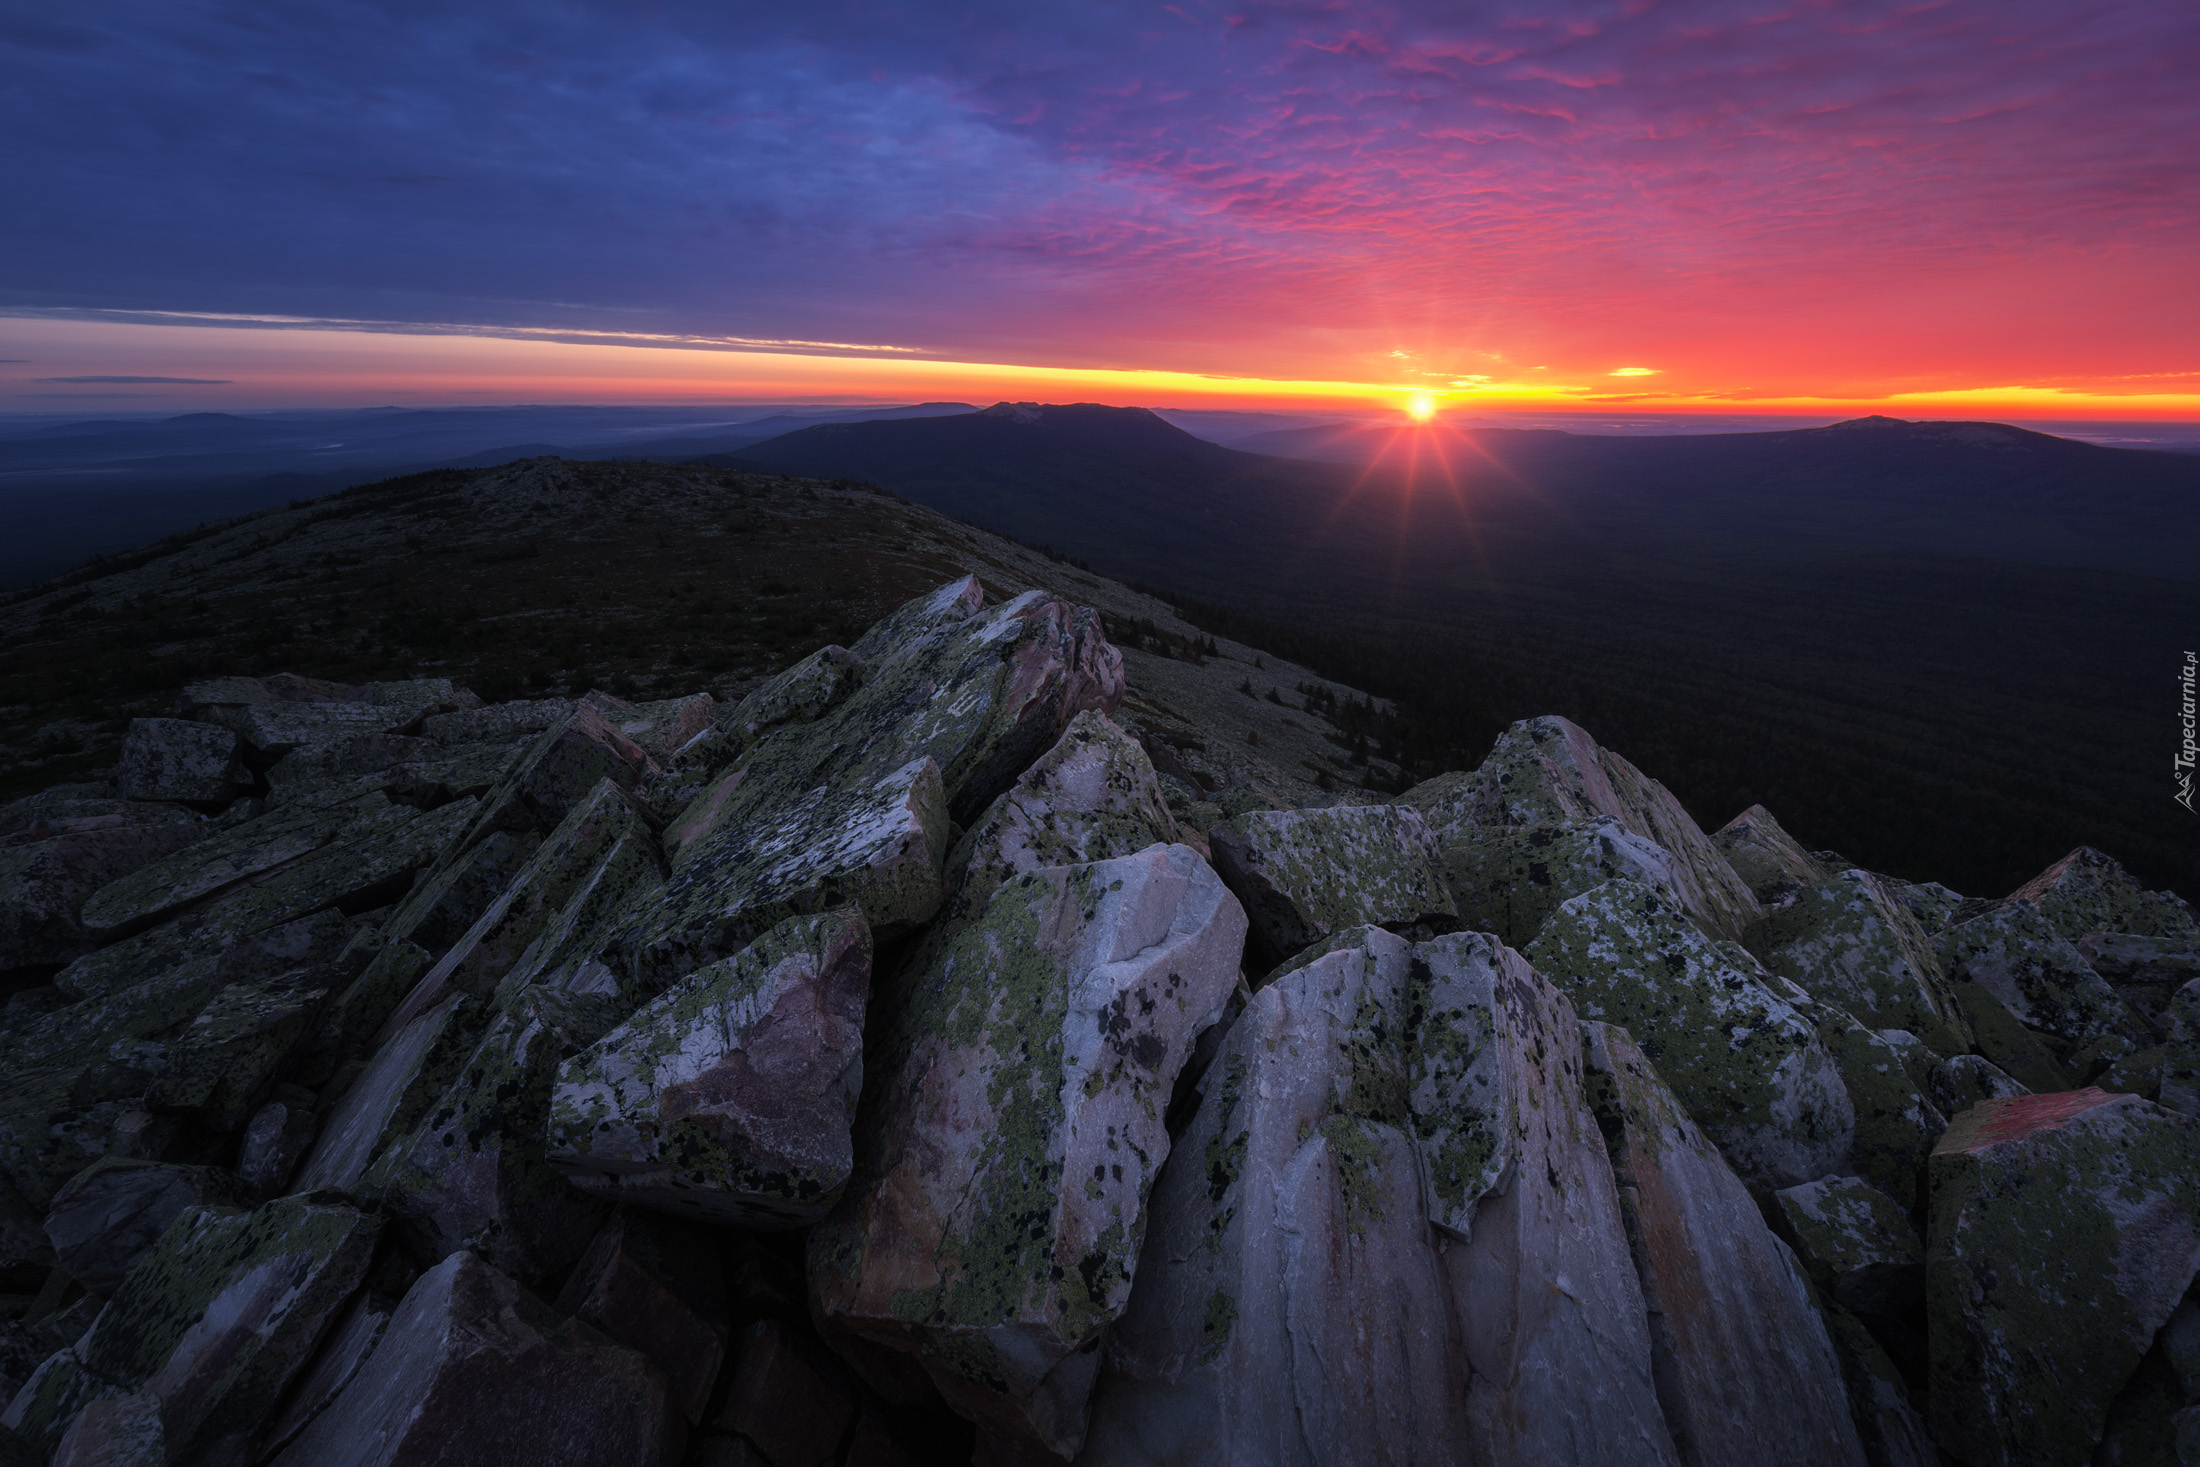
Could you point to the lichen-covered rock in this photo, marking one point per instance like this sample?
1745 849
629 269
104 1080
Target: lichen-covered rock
1293 1209
1891 1095
1509 879
1002 1169
1747 1066
213 1322
50 869
2144 971
275 1140
728 1098
1549 769
1854 1241
1772 863
2064 1230
1935 906
283 712
560 769
499 723
472 1368
657 1286
2013 952
2000 1036
472 1173
2087 892
1092 797
116 1208
1964 1081
177 759
1852 942
1372 1099
1744 1368
391 1094
854 808
802 693
1304 875
662 728
1888 1423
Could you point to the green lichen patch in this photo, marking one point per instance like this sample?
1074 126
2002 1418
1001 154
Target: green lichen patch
1852 941
2017 954
1304 875
2087 892
1889 1092
1746 1064
1509 879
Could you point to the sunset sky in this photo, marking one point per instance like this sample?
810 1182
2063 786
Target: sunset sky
1969 209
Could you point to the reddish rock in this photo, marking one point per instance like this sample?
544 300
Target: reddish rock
656 1285
788 1405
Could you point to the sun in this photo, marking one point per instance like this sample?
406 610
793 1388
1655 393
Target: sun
1420 407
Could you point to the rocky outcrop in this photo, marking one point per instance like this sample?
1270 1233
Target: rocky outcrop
1748 1068
994 1224
860 1067
1548 769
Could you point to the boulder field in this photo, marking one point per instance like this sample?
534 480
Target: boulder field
906 1066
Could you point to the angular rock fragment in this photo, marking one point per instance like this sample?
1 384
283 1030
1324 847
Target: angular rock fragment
497 723
275 1139
854 808
792 1408
559 770
1894 1434
2000 1036
472 1173
996 1218
1549 769
49 871
1745 1370
390 1094
1304 875
660 729
1896 1119
1852 942
1854 1241
728 1098
2144 971
176 759
656 1286
2087 892
1092 797
1772 863
213 1322
1962 1082
343 1350
472 1368
220 1064
111 1212
803 693
1747 1066
2064 1230
2013 952
1293 1208
1509 879
280 713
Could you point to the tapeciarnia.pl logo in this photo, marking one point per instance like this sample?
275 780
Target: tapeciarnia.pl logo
2189 751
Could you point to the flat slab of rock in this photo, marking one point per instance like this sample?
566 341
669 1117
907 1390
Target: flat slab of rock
1853 942
1304 875
472 1368
1746 1372
1749 1068
995 1221
109 1214
729 1098
212 1323
2064 1231
177 759
47 874
1549 769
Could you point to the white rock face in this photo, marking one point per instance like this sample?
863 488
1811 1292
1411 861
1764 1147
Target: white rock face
1390 1235
995 1219
729 1098
1745 1369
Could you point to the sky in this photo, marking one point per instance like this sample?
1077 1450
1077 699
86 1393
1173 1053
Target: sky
1965 209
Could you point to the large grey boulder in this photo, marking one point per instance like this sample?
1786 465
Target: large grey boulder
1391 1186
1749 1068
177 759
1772 863
1745 1370
1854 1241
995 1220
212 1323
855 807
1549 769
1888 1077
472 1368
2087 892
1853 942
1509 879
729 1098
1304 875
2064 1230
111 1212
